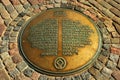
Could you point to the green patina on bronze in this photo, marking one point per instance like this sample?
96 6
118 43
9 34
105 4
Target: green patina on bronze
44 36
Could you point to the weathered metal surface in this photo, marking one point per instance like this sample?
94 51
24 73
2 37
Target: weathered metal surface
60 42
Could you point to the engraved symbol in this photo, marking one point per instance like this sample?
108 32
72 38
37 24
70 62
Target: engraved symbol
60 63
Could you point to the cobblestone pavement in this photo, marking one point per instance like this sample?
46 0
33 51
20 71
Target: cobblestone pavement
13 15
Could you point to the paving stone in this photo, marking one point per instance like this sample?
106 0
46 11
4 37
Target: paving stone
5 55
57 5
10 8
6 2
1 20
17 59
111 65
106 72
64 1
105 52
108 13
5 14
42 77
12 45
116 19
1 65
116 75
103 59
28 72
2 29
4 75
97 5
77 77
13 52
17 28
26 5
115 40
114 57
116 5
98 65
67 78
116 45
101 77
21 22
57 1
118 1
43 8
14 73
15 2
9 64
94 71
13 39
119 63
105 4
86 76
50 6
21 66
107 41
33 2
117 27
8 21
115 35
58 78
21 77
35 75
115 11
4 43
115 50
24 1
14 34
3 49
19 8
111 78
14 14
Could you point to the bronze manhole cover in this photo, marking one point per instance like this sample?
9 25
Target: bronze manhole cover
60 42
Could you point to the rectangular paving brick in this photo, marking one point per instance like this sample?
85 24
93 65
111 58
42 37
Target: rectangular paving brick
4 75
2 29
116 74
6 2
33 2
10 8
115 11
115 4
115 50
21 66
4 55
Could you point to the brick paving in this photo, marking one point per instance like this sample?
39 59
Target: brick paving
105 13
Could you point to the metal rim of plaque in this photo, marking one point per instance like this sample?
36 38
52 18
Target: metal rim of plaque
58 60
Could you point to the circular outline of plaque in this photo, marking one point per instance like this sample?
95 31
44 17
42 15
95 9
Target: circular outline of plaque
54 71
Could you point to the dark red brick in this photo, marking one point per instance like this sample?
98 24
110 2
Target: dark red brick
13 52
2 29
115 50
17 58
15 2
35 76
12 45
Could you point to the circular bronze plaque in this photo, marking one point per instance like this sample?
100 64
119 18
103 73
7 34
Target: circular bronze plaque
60 42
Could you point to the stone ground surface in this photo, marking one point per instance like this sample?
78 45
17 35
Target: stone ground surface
14 13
